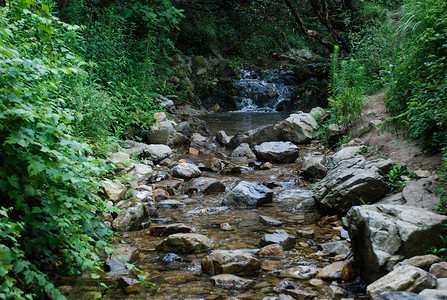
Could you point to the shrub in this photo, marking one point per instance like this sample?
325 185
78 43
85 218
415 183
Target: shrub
50 214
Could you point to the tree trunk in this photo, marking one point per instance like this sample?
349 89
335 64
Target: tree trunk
310 33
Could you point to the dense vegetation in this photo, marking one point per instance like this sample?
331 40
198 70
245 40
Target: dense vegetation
97 75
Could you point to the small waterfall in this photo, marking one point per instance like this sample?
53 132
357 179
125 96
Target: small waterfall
265 90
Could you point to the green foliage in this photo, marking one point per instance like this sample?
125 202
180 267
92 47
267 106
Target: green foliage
346 90
442 191
395 181
50 214
418 78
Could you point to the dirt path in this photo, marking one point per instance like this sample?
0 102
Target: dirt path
391 144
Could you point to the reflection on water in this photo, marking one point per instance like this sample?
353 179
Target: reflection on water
234 122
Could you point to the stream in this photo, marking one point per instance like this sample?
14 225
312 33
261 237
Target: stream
231 228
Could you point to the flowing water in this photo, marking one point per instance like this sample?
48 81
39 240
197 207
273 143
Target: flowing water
292 205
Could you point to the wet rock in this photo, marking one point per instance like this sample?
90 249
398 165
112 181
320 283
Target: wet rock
159 176
279 152
286 285
116 191
223 138
274 251
204 185
403 278
186 171
299 128
243 150
130 285
140 173
232 262
185 243
231 282
170 185
280 237
439 269
214 165
351 180
143 196
434 294
157 152
134 215
266 166
299 272
333 134
160 194
256 136
312 167
269 221
301 294
231 168
421 261
422 193
341 270
165 230
170 204
403 296
317 282
335 248
115 264
337 291
346 153
247 194
170 258
384 234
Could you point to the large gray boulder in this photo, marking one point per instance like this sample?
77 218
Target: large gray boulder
403 296
279 152
157 152
256 136
185 243
236 262
404 278
140 173
383 235
204 185
248 194
352 182
134 215
186 171
116 191
313 167
299 128
422 193
243 150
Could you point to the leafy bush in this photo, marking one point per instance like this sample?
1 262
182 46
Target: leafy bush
346 90
418 79
50 214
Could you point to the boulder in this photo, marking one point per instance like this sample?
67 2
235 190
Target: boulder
422 193
334 248
257 136
231 282
119 157
280 237
165 230
185 243
433 294
116 191
403 296
340 270
186 171
384 234
237 262
299 128
345 153
318 113
134 215
129 285
204 185
243 150
333 134
222 137
422 261
439 270
312 167
274 251
404 278
157 152
279 152
140 173
248 194
352 182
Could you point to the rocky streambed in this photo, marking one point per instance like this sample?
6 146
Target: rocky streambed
258 216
